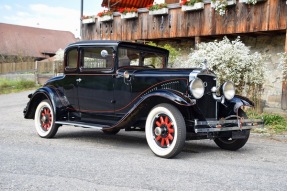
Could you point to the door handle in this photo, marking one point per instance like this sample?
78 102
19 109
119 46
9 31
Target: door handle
78 80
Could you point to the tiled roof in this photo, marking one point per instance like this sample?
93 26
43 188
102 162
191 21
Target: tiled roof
127 3
33 42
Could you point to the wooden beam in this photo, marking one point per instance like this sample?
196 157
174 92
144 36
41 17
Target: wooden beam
284 84
197 40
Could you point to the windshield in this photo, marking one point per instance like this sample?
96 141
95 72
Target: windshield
134 57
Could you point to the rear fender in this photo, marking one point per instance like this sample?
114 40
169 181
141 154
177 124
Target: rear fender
39 95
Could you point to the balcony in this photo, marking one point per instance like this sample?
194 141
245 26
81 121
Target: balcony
265 17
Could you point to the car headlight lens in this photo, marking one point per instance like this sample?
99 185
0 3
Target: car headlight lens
228 90
196 88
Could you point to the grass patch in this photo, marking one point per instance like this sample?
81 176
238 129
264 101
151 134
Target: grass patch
9 86
273 123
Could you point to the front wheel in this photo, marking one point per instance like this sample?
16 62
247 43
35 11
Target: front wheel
45 120
165 130
233 144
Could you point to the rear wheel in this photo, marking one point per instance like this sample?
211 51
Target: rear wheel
228 143
45 120
165 130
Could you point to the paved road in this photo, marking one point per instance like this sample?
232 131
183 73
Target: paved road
85 159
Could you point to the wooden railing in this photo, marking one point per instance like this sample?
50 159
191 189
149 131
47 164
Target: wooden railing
267 16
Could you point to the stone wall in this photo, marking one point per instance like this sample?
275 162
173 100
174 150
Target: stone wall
269 45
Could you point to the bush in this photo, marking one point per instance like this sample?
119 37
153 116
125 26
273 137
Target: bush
230 60
173 52
273 122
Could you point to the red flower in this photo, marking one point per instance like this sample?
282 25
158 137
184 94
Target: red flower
183 2
103 13
128 10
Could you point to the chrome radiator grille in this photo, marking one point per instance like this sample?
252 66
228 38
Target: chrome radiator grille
207 104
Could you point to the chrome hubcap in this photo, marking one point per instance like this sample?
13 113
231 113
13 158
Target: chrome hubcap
157 131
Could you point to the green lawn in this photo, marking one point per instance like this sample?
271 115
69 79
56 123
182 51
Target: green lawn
9 86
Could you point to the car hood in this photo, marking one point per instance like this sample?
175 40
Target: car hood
190 73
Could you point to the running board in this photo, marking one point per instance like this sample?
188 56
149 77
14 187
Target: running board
80 124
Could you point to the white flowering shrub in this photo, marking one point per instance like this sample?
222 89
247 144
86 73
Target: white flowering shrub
230 60
220 6
59 55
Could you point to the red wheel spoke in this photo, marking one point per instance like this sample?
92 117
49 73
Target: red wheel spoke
170 137
158 138
162 142
167 141
170 130
161 120
166 120
166 136
158 123
169 125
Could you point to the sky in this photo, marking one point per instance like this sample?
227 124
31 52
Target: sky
49 14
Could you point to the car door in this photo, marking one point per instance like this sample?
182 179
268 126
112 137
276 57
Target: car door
69 85
96 85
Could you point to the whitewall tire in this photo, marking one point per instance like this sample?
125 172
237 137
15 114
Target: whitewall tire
165 130
45 120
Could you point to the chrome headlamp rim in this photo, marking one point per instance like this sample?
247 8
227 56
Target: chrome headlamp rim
196 88
228 90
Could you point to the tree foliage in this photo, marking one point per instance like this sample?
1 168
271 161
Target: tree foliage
173 52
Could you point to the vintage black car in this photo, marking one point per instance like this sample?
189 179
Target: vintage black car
114 85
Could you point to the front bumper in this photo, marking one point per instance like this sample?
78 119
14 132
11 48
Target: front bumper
227 125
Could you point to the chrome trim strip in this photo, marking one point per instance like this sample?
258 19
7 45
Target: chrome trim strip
206 130
221 122
239 124
78 124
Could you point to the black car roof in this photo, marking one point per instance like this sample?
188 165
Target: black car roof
115 43
93 42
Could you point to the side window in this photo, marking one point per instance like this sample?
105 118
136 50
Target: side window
97 58
135 57
72 59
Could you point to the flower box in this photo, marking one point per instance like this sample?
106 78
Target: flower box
106 18
89 20
196 6
129 15
249 2
162 11
229 3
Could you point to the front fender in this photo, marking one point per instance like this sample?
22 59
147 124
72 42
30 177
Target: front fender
239 101
231 107
40 94
146 102
172 95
